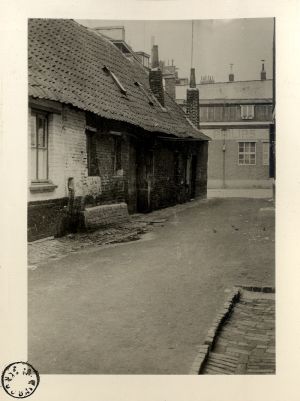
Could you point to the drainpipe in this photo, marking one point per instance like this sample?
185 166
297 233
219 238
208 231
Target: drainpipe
223 151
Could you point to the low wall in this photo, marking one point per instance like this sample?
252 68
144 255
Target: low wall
105 215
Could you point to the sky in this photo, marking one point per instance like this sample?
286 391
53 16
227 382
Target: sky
216 44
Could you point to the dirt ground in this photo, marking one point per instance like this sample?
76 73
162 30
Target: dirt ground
143 307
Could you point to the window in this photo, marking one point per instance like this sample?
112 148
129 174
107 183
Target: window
39 147
92 160
247 153
266 153
247 111
117 153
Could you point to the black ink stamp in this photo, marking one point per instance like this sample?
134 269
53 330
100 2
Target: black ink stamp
20 379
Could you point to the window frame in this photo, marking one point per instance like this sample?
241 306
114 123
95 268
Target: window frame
89 140
45 117
247 153
248 115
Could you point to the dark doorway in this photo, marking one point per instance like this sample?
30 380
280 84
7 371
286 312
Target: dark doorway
144 180
193 176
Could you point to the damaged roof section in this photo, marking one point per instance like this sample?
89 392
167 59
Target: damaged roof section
70 64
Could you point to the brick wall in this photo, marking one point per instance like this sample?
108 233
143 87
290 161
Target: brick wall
156 85
58 210
66 153
170 83
171 183
67 158
235 175
192 105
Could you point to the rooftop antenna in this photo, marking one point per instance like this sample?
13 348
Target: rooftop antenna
152 41
192 49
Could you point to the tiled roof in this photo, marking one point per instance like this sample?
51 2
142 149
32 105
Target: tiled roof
65 63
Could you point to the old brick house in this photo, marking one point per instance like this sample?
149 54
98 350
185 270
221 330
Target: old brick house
102 132
237 116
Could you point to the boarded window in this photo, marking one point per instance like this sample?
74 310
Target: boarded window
92 159
39 146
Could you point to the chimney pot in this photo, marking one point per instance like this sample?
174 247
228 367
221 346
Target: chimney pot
193 78
155 60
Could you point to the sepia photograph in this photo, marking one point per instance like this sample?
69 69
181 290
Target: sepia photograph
151 196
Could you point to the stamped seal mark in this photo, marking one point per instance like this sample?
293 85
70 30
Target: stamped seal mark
20 379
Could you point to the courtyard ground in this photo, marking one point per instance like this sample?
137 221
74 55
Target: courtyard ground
144 306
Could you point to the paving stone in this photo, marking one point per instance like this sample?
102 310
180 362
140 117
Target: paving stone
245 342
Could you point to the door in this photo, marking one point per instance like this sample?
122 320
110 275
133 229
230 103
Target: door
144 180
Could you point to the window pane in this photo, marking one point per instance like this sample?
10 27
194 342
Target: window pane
247 159
252 159
42 164
247 147
241 146
41 123
33 130
33 174
241 159
253 147
243 111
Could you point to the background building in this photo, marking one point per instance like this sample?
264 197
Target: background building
236 115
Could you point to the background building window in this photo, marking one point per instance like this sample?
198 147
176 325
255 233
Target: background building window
247 153
266 153
39 147
247 111
92 160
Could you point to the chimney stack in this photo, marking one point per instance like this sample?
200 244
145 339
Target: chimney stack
231 74
155 60
193 78
170 85
155 77
192 100
263 74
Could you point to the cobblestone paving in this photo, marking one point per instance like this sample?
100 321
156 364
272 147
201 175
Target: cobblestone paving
246 343
41 251
56 248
